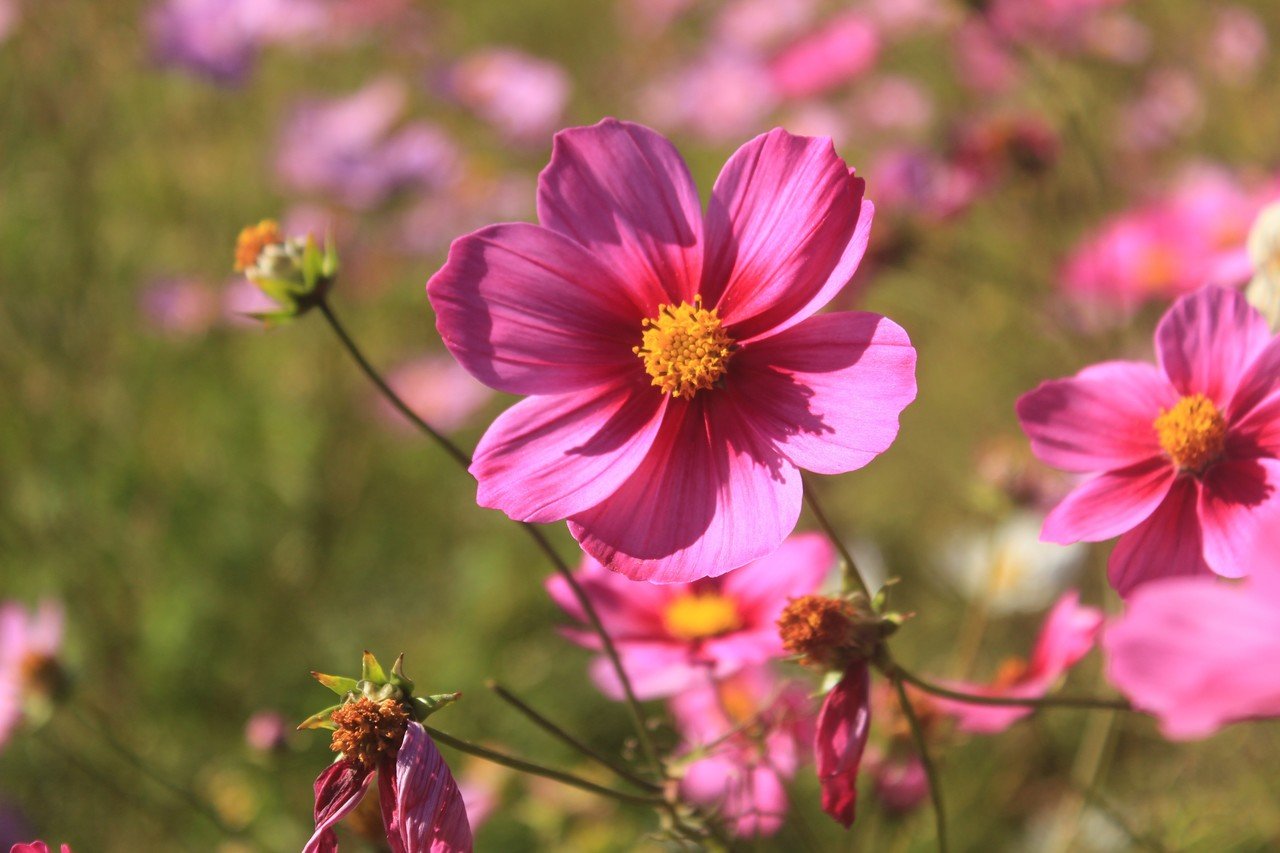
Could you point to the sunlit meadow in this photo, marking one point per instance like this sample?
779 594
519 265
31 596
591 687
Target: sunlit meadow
203 498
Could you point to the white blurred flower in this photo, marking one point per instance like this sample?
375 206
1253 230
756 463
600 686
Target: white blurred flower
1264 251
1009 567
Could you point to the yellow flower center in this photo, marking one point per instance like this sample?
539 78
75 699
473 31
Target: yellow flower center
366 730
736 701
1193 433
1159 268
694 616
252 240
684 348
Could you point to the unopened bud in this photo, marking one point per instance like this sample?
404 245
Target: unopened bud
293 272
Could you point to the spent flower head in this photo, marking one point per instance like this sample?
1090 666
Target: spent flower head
831 632
294 272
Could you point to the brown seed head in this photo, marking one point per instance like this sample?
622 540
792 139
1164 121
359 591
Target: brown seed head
367 730
818 628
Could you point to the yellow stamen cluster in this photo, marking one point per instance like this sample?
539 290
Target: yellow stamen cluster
367 730
253 239
817 627
1193 433
694 616
685 349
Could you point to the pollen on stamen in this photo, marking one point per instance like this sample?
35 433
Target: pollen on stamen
1193 433
685 349
368 730
252 240
816 627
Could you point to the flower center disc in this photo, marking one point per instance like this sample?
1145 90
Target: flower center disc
694 617
684 348
1193 433
367 730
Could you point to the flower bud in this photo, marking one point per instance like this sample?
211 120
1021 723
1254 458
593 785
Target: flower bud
830 633
293 272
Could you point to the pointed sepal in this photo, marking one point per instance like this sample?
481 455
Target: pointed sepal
337 683
425 706
320 719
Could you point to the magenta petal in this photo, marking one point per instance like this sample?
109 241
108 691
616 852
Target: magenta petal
1239 509
1167 544
1207 341
828 391
763 588
1196 653
422 807
711 496
624 192
1255 407
339 790
547 458
655 669
628 610
1100 419
529 311
1109 504
780 219
843 725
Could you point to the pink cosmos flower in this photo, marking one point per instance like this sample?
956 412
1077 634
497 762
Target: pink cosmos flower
522 96
438 389
844 49
720 96
1183 456
220 39
1069 632
671 637
1197 653
745 736
36 847
679 377
843 726
29 645
422 808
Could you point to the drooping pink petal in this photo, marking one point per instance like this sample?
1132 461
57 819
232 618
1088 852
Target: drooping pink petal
843 725
549 457
711 496
781 216
422 807
1239 506
1100 419
529 311
828 391
1110 504
339 790
763 588
624 192
1208 340
1167 544
1195 652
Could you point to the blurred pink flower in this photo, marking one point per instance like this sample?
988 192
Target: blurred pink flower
1169 107
241 299
675 368
745 736
29 646
844 723
9 15
179 307
522 96
671 637
983 61
438 389
760 24
422 808
1118 37
37 847
720 96
917 182
1057 23
901 783
1238 45
346 148
220 39
267 731
650 18
430 224
894 103
1197 653
1194 235
909 18
1184 457
845 48
1069 632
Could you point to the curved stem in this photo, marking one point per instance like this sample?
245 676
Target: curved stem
893 670
922 747
538 770
848 568
460 456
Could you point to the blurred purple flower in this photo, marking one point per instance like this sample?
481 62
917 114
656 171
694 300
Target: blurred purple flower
521 96
220 39
438 389
1170 106
759 24
345 147
430 225
908 18
267 731
719 97
1238 45
894 103
917 182
8 17
178 307
1119 38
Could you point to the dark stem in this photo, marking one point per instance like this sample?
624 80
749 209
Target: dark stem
560 734
460 456
538 770
848 568
930 771
894 670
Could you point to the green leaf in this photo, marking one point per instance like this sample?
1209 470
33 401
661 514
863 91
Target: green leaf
337 683
311 264
329 268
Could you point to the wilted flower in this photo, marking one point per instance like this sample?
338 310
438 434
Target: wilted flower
679 377
1197 653
1069 632
292 272
377 731
673 636
522 96
1185 457
31 677
1263 292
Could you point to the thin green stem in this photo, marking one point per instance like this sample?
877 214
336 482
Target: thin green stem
635 710
848 567
565 737
894 670
538 770
930 771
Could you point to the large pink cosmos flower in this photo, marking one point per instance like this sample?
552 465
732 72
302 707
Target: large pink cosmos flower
422 808
1183 455
671 637
743 736
29 647
1069 632
1197 652
677 373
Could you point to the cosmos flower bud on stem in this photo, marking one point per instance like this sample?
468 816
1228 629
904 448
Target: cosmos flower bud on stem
831 633
292 271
